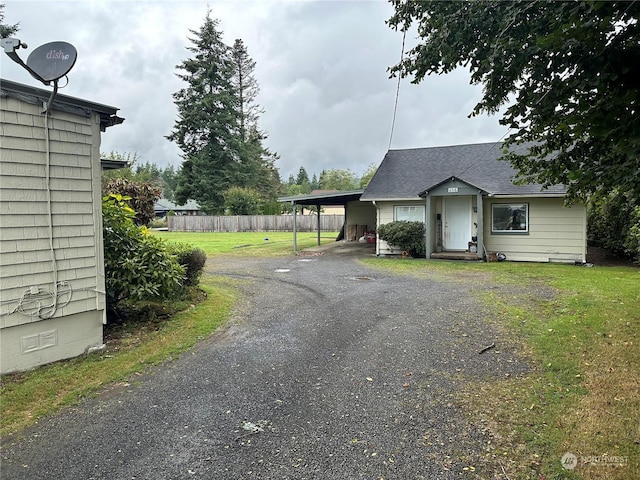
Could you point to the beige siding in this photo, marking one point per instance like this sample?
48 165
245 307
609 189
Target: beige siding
30 215
361 218
385 215
556 233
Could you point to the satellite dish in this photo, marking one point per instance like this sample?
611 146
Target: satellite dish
52 61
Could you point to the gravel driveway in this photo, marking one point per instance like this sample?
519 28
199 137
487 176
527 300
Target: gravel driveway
328 370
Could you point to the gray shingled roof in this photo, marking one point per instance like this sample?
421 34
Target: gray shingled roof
163 205
407 173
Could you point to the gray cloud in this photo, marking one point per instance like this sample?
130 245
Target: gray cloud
322 69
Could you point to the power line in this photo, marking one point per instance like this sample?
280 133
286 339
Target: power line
395 106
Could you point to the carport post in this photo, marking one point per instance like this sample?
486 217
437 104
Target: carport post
318 224
294 209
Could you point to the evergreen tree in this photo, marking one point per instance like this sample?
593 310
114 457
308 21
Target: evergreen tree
257 163
169 182
303 180
315 185
6 30
247 88
208 118
303 176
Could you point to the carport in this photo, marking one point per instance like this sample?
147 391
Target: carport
319 200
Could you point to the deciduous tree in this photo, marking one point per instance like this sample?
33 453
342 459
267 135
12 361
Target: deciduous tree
368 175
567 72
338 179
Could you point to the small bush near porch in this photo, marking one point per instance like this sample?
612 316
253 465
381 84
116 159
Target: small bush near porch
408 236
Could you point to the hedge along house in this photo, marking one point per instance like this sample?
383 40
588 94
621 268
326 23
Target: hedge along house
470 205
52 286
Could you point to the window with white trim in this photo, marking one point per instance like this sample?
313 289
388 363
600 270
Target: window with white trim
413 213
510 218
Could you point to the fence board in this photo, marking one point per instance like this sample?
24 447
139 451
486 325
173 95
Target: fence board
254 223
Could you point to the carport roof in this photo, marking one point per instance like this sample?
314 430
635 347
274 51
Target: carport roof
327 198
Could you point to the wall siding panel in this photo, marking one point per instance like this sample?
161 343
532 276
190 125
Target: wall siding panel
556 233
25 253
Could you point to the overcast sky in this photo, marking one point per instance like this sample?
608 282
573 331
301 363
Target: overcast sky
321 66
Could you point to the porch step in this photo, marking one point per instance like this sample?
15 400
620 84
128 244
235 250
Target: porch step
468 256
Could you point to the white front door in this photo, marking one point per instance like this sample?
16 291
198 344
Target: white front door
457 223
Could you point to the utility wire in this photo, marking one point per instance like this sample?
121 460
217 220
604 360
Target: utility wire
395 106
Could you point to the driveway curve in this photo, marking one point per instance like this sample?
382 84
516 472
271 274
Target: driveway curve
328 370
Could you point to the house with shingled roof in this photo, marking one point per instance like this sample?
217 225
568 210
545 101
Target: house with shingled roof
472 208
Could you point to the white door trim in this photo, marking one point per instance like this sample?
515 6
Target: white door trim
456 222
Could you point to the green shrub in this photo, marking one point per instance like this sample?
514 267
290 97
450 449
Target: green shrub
141 196
613 222
408 236
242 201
137 266
158 223
192 260
632 242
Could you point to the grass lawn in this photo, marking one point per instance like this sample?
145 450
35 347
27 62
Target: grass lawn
583 395
247 243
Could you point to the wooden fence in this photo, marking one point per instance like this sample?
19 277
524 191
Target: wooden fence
254 223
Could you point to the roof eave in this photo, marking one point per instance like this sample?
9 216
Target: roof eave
30 94
530 195
315 199
390 199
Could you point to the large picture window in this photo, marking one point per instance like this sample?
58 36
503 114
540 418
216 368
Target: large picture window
510 218
414 213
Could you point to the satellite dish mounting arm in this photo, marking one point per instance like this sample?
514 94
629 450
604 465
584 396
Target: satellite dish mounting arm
10 45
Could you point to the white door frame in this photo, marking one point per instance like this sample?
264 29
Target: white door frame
459 220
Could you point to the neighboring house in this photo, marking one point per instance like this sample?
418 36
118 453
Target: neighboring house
52 285
469 203
110 164
164 206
